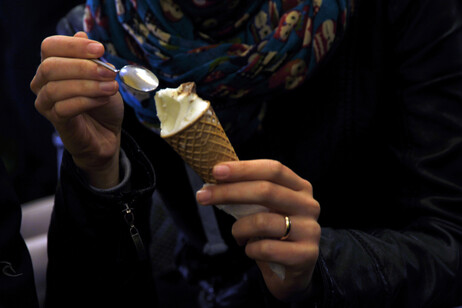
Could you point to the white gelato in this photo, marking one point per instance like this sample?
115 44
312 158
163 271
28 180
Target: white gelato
177 108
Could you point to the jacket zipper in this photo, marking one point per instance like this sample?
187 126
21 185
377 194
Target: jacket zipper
136 237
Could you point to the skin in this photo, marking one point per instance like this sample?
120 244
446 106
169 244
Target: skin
271 184
81 100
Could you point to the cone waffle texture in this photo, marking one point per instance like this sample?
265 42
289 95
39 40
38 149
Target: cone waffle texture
203 144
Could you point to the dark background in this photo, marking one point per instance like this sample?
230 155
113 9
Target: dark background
26 143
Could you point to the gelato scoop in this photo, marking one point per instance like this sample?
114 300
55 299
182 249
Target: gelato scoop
177 108
190 126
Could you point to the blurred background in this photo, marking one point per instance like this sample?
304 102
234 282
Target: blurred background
26 138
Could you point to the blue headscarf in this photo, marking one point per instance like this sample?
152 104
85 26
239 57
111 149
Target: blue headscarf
229 48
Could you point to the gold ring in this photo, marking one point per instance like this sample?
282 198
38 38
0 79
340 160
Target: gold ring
288 227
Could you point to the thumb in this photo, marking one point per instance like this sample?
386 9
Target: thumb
81 34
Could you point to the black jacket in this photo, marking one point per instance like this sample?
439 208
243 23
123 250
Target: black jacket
17 289
376 129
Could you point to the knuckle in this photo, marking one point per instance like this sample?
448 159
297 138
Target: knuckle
46 43
40 101
316 207
62 111
303 255
259 222
315 230
307 184
87 87
310 252
221 192
34 87
266 190
47 92
39 106
59 111
45 69
275 168
235 230
260 250
84 67
267 250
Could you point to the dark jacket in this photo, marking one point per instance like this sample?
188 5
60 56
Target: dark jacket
17 289
376 129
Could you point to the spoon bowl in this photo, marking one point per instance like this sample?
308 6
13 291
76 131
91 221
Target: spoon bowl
134 76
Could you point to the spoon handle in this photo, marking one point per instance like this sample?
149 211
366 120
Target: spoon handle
105 65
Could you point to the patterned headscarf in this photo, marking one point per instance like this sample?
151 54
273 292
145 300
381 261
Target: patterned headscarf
229 48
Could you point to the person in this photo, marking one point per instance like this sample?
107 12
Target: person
17 288
346 120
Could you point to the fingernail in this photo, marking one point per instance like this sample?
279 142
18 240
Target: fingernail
104 72
203 196
95 48
107 86
221 171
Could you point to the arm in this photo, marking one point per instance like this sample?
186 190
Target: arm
417 262
94 254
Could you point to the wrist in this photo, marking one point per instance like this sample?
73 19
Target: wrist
125 171
102 175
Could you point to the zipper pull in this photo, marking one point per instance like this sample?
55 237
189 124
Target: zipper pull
136 237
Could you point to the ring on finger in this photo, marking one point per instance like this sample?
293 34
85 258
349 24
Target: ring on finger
288 227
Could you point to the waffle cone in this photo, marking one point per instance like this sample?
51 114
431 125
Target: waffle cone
203 144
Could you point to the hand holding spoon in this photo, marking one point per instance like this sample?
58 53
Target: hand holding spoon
134 76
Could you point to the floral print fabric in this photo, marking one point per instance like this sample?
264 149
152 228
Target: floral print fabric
229 48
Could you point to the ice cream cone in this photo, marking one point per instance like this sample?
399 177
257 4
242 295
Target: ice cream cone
195 133
203 144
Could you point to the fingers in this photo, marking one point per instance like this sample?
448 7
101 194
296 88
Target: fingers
55 69
78 46
66 82
56 91
260 225
81 34
61 98
62 58
261 232
276 197
272 226
64 110
264 182
264 169
273 185
292 255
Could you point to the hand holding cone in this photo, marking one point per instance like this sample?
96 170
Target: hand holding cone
192 129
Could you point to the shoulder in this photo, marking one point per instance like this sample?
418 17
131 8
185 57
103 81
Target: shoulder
424 14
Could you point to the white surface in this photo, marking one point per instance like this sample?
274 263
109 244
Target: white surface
34 228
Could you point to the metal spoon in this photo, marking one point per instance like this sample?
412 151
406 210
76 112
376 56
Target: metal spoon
134 76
